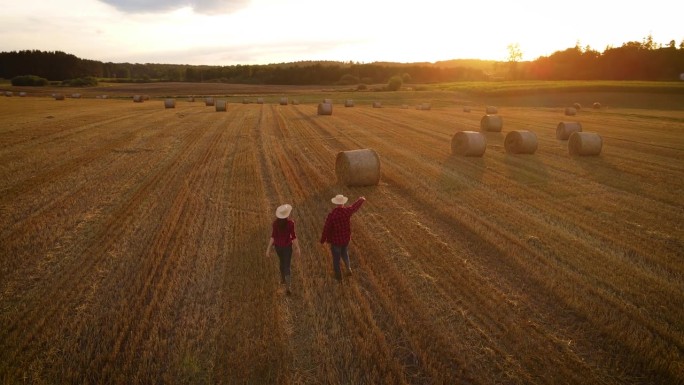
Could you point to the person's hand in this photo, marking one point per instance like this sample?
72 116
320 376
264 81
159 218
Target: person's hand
362 198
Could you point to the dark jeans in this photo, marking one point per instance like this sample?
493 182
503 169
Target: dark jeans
339 251
285 256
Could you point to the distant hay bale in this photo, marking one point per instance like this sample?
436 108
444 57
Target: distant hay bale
170 103
9 93
105 96
75 96
220 105
404 106
137 99
466 109
468 143
426 106
577 106
329 101
596 105
22 94
349 103
245 101
325 108
490 110
283 101
58 96
377 105
585 144
295 102
209 102
565 129
191 99
260 100
358 167
520 142
570 111
491 123
146 97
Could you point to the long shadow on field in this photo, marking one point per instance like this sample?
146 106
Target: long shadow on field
603 171
526 169
460 173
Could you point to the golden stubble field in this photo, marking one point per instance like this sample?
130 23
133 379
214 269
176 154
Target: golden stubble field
132 245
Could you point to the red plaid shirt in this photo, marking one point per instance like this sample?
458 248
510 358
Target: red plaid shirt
337 228
283 238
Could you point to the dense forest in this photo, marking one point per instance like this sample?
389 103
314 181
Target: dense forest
643 60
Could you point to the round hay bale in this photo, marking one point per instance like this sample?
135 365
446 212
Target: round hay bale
404 106
260 100
75 96
59 96
570 111
209 102
426 106
191 99
245 101
466 109
596 105
9 93
221 105
585 144
377 105
283 101
295 102
325 108
491 123
349 103
22 94
137 99
170 103
468 143
490 110
577 106
520 142
105 96
146 97
358 167
564 129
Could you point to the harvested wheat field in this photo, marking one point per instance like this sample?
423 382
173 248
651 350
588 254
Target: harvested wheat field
132 242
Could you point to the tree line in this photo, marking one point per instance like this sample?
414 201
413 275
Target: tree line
643 60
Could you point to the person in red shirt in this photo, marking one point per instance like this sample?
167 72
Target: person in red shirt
283 237
337 232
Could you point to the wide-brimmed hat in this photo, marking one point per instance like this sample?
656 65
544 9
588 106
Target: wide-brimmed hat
339 199
283 211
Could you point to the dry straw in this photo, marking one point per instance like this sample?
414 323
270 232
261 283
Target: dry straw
137 98
209 101
283 101
220 105
565 129
358 167
520 142
585 144
170 103
491 110
325 108
491 123
349 103
377 105
468 143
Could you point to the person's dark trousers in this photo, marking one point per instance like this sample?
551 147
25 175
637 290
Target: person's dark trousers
285 256
339 251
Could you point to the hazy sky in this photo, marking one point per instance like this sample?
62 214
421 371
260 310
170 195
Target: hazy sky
224 32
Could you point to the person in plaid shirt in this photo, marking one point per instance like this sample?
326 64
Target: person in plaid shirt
337 231
283 237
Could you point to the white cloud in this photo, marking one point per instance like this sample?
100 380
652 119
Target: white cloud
209 7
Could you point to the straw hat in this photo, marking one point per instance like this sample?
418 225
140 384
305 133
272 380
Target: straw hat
283 211
339 199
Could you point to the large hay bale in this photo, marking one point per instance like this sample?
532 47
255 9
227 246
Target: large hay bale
170 103
283 101
349 103
570 111
75 96
491 123
577 106
209 102
564 129
221 105
325 108
468 143
585 143
260 100
490 110
521 142
377 105
358 167
596 105
58 96
137 99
